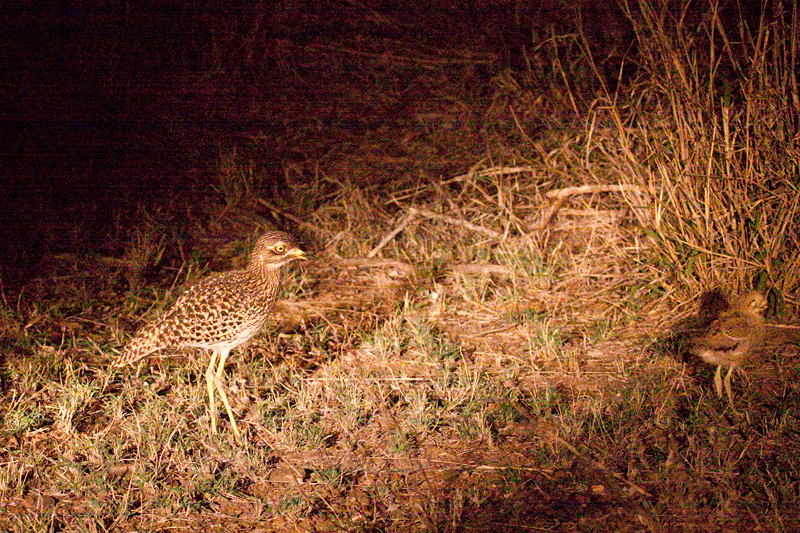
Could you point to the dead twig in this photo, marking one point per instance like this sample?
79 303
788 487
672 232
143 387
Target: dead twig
400 227
489 172
561 196
482 270
300 223
413 212
455 221
586 189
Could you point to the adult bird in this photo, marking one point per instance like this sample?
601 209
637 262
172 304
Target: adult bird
220 312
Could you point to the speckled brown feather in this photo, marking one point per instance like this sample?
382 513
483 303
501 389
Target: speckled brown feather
221 311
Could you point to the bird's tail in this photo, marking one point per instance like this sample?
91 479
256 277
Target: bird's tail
146 341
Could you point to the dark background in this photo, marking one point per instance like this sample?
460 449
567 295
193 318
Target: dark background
112 108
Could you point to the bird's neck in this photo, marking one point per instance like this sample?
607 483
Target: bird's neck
266 276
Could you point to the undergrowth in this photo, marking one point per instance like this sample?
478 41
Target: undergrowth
472 345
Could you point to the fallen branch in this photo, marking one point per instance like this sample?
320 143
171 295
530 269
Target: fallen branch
586 189
489 173
400 227
486 270
413 212
455 221
561 196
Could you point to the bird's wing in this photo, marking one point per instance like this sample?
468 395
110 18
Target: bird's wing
727 333
203 297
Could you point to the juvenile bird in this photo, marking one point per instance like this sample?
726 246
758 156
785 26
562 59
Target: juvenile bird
732 337
219 312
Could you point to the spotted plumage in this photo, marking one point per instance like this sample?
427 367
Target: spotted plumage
732 337
219 312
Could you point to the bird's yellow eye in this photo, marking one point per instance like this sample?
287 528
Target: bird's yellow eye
280 249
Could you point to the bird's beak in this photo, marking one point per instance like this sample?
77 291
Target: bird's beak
297 253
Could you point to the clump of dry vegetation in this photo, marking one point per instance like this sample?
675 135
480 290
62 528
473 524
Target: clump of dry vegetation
483 341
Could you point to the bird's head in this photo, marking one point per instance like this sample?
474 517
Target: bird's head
274 249
752 302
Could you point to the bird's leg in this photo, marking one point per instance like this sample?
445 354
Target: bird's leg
222 395
728 384
718 381
212 406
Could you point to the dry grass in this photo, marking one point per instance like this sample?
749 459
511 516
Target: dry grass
460 355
